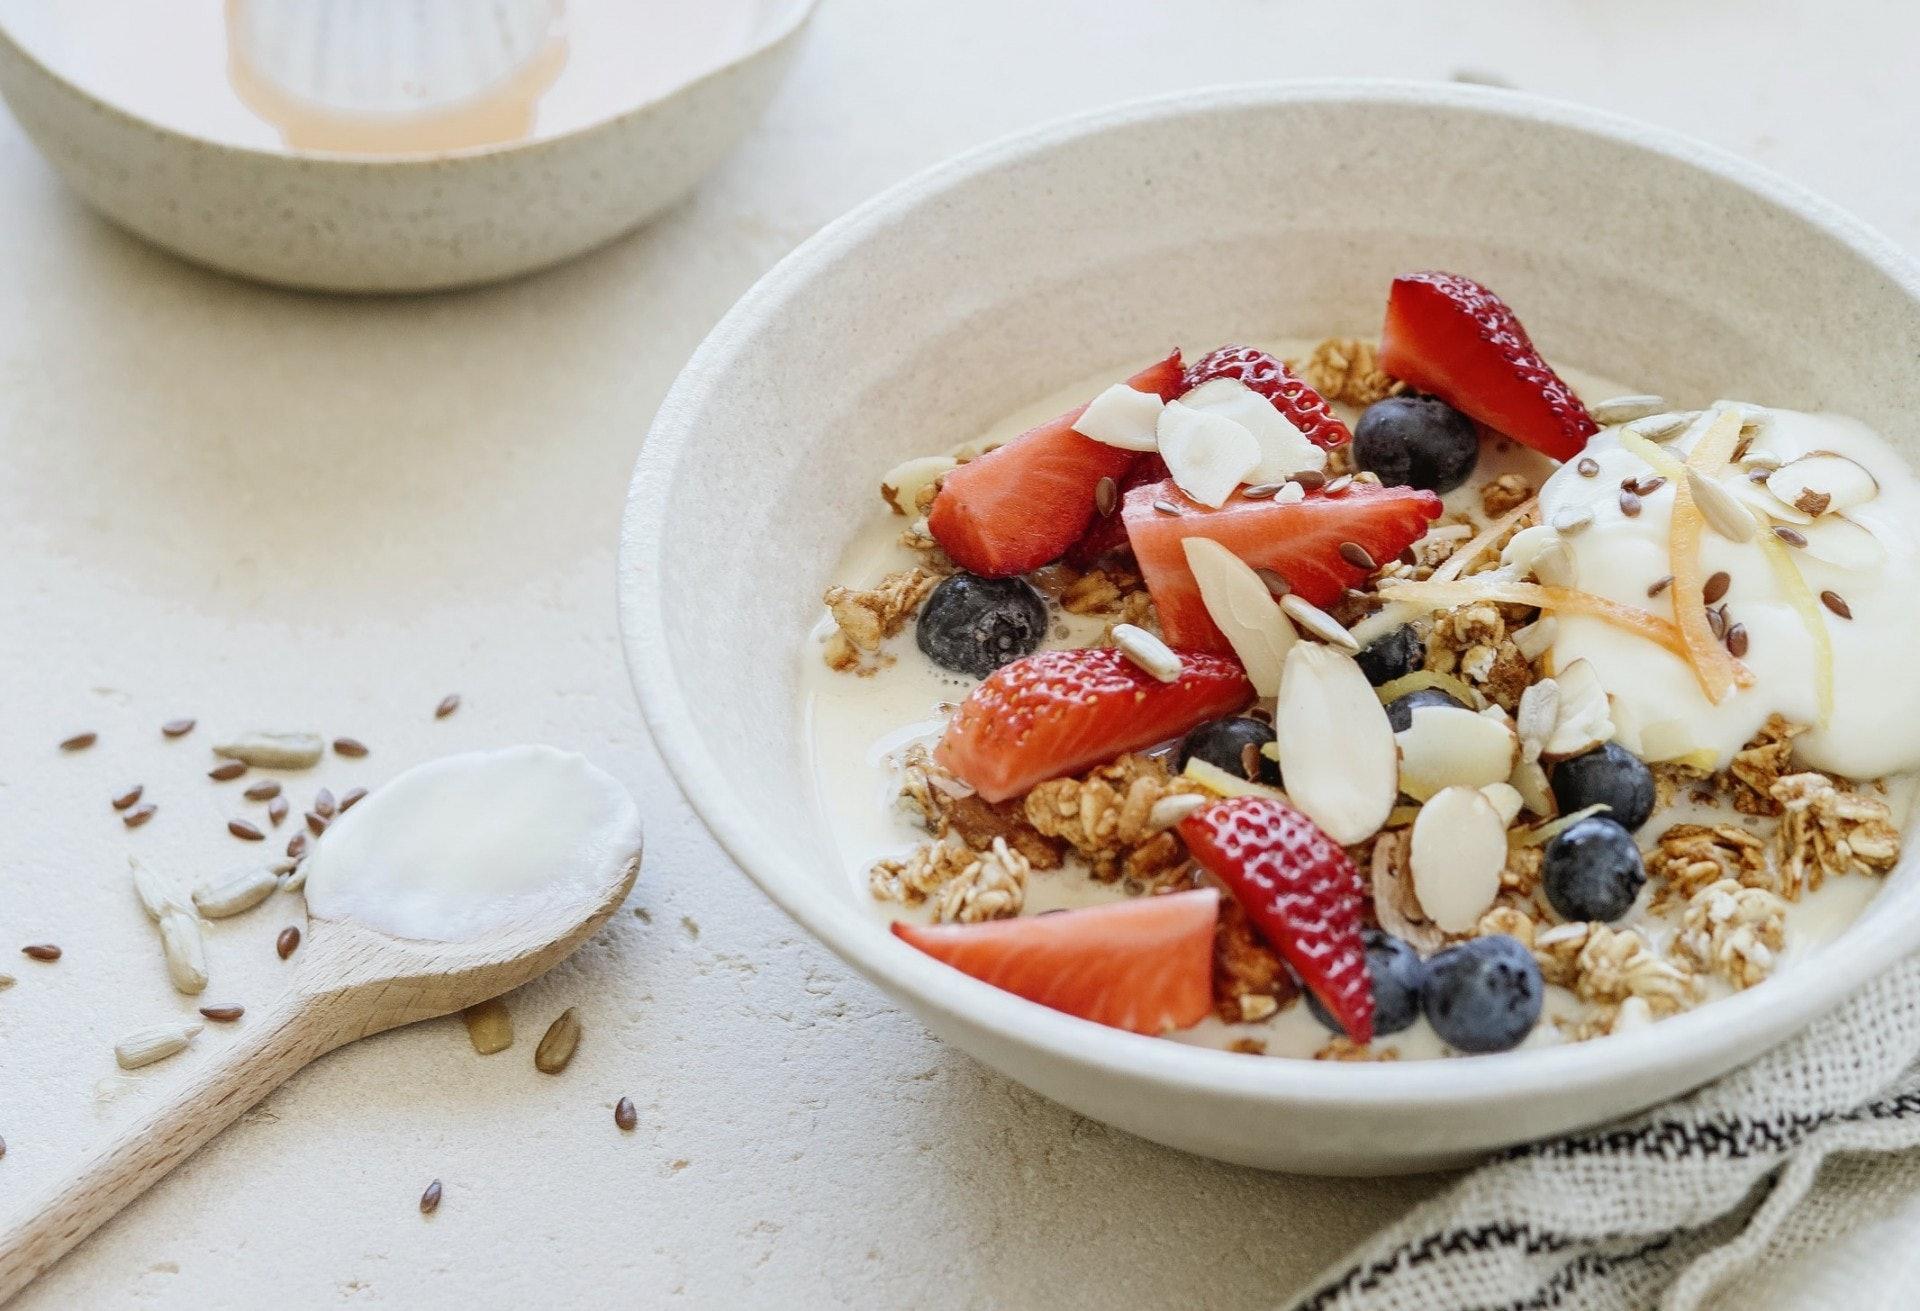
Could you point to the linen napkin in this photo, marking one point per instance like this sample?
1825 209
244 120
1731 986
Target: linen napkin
1715 1200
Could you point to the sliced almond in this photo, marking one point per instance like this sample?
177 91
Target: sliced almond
1724 513
1536 792
1770 507
1337 751
1459 847
1394 902
1841 542
1244 611
903 484
1207 455
1123 417
1822 482
1506 800
1318 622
1585 720
1445 746
1625 409
1284 449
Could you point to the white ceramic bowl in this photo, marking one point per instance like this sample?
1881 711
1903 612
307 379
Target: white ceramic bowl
370 223
1242 213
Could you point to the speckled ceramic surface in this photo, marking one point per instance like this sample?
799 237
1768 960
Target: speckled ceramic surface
338 223
1263 212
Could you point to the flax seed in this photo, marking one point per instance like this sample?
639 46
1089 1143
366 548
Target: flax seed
1660 584
624 1115
1788 535
1356 555
265 790
1275 583
79 741
323 804
240 828
1836 603
1629 503
316 823
1106 495
451 701
287 942
349 746
277 811
1311 479
350 798
227 771
178 727
1717 621
138 815
128 797
42 951
430 1199
225 1013
1737 641
297 846
1716 586
1588 467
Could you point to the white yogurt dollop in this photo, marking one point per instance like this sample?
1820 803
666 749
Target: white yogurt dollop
457 847
1875 726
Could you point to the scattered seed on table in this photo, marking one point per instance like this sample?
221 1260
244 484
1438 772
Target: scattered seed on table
624 1115
241 829
277 811
128 797
178 727
350 798
227 771
44 951
3 1149
265 790
451 701
288 940
349 746
316 823
1737 641
1788 535
297 846
1588 467
225 1013
1716 586
7 981
1660 584
138 815
79 741
430 1200
489 1026
1836 603
323 804
1356 555
558 1043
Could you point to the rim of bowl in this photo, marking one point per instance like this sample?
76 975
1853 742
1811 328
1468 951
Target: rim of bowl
794 16
1768 1013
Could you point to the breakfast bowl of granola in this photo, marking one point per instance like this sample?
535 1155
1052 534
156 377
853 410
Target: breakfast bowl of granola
1335 626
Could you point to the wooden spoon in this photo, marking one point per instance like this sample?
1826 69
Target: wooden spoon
349 981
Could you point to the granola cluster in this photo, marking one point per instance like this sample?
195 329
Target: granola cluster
948 808
1734 931
1347 370
1691 857
1474 643
1827 829
866 617
1107 817
966 886
1606 965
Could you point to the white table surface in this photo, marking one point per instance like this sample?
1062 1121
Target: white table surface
274 510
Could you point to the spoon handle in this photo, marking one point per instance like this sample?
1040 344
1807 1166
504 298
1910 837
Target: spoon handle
237 1076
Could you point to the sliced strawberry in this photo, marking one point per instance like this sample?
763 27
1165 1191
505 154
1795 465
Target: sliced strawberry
1300 404
1023 504
1301 891
1450 336
1055 713
1299 540
1108 532
1144 965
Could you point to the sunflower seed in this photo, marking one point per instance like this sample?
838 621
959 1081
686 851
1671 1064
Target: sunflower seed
1165 506
350 798
489 1026
157 898
1715 586
1588 467
1106 495
277 811
178 727
1339 484
265 790
1318 622
1356 555
146 1046
295 879
1662 427
245 831
1571 520
288 941
557 1045
1660 584
625 1115
79 741
186 952
228 772
1717 506
273 750
1168 811
323 804
349 746
1789 536
1147 651
42 951
235 891
451 702
128 797
1737 641
1836 603
1625 409
1261 491
225 1012
1535 717
430 1199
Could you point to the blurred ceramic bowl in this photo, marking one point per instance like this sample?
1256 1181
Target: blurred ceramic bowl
1232 215
343 200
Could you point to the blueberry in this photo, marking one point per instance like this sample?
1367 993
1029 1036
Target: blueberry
1225 742
1484 995
1416 441
1609 775
1400 709
1398 975
1592 870
1396 655
973 625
